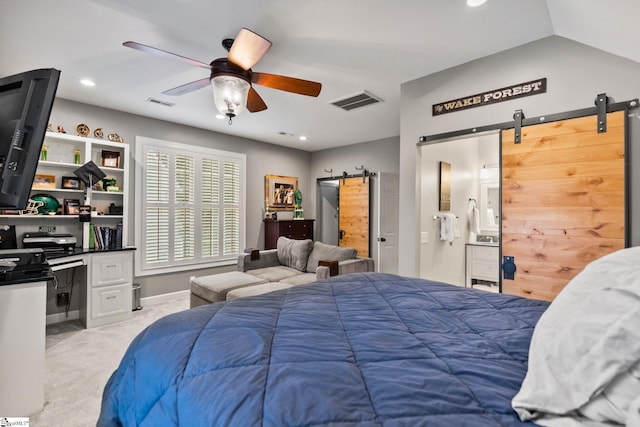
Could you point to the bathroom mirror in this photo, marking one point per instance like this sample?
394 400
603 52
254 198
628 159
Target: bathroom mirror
489 207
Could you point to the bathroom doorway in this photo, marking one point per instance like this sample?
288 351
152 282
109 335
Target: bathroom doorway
474 185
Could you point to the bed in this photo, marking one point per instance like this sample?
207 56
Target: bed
364 349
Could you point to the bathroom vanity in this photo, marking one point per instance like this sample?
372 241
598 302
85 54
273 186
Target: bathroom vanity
482 264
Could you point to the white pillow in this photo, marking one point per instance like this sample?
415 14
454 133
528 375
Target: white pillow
585 350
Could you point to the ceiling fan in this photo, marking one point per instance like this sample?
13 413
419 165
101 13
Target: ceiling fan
232 78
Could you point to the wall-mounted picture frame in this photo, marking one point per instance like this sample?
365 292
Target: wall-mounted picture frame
445 187
71 206
70 183
278 192
110 159
44 181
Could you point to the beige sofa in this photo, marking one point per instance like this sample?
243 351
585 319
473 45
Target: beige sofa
294 262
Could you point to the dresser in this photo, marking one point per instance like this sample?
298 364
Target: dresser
292 228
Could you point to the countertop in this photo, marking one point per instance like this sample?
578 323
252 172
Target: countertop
495 245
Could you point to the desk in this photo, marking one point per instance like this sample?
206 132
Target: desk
106 298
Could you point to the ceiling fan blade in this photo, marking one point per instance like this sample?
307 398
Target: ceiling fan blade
289 84
255 102
248 48
164 53
189 87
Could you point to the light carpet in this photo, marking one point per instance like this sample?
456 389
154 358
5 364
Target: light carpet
78 363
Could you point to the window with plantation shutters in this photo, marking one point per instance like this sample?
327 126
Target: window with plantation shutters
189 204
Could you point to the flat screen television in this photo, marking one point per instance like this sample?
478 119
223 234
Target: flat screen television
25 106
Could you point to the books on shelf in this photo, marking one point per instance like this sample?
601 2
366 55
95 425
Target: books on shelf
105 237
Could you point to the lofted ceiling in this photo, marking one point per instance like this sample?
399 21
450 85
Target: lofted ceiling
349 46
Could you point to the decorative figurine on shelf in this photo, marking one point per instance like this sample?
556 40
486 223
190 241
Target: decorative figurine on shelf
43 153
49 127
114 137
76 156
82 129
61 129
98 133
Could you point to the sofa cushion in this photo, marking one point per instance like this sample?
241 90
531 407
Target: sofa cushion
214 288
274 274
294 253
300 279
322 251
250 291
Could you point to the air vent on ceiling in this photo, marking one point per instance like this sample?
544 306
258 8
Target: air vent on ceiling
157 101
357 101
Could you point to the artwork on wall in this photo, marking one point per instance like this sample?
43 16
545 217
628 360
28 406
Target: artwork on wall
279 192
445 186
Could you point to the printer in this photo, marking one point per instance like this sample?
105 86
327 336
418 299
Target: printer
48 241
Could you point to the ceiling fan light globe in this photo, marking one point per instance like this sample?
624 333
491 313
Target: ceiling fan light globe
230 94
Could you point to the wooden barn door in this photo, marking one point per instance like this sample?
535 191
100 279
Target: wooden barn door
354 214
563 201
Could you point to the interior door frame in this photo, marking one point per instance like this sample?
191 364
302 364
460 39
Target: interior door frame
364 173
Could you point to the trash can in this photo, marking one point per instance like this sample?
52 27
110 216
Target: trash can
135 300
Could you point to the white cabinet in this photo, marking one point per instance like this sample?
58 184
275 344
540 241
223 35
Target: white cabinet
483 263
107 296
22 340
64 154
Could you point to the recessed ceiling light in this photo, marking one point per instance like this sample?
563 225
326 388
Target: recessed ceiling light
219 116
303 138
87 82
474 3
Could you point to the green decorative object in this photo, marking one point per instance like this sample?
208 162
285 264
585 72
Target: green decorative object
50 204
297 198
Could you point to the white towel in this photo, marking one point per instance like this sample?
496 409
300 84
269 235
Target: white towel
449 228
475 220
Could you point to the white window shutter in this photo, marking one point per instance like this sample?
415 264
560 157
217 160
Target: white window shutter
192 204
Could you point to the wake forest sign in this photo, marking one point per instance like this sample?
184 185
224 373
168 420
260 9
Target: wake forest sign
533 87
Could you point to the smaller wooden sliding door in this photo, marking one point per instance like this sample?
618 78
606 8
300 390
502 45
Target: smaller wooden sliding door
354 214
563 201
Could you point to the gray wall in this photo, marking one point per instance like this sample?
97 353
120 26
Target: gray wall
380 155
576 74
262 159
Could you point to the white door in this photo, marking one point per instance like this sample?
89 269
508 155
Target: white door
386 210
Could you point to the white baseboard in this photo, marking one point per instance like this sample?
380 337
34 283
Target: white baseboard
61 317
156 299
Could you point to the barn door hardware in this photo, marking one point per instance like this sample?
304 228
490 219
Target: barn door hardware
517 117
344 177
364 173
509 268
601 109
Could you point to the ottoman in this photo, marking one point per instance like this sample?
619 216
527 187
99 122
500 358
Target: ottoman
214 288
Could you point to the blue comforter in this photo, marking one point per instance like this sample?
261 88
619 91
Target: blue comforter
356 350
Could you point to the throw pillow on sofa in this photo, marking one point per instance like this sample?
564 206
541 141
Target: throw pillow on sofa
294 253
322 251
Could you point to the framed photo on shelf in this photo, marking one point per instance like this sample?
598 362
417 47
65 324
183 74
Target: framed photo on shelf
279 192
110 159
70 183
44 181
71 206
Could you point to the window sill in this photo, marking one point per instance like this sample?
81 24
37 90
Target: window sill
184 267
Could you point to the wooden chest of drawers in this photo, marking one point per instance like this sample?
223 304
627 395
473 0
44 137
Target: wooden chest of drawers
292 228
